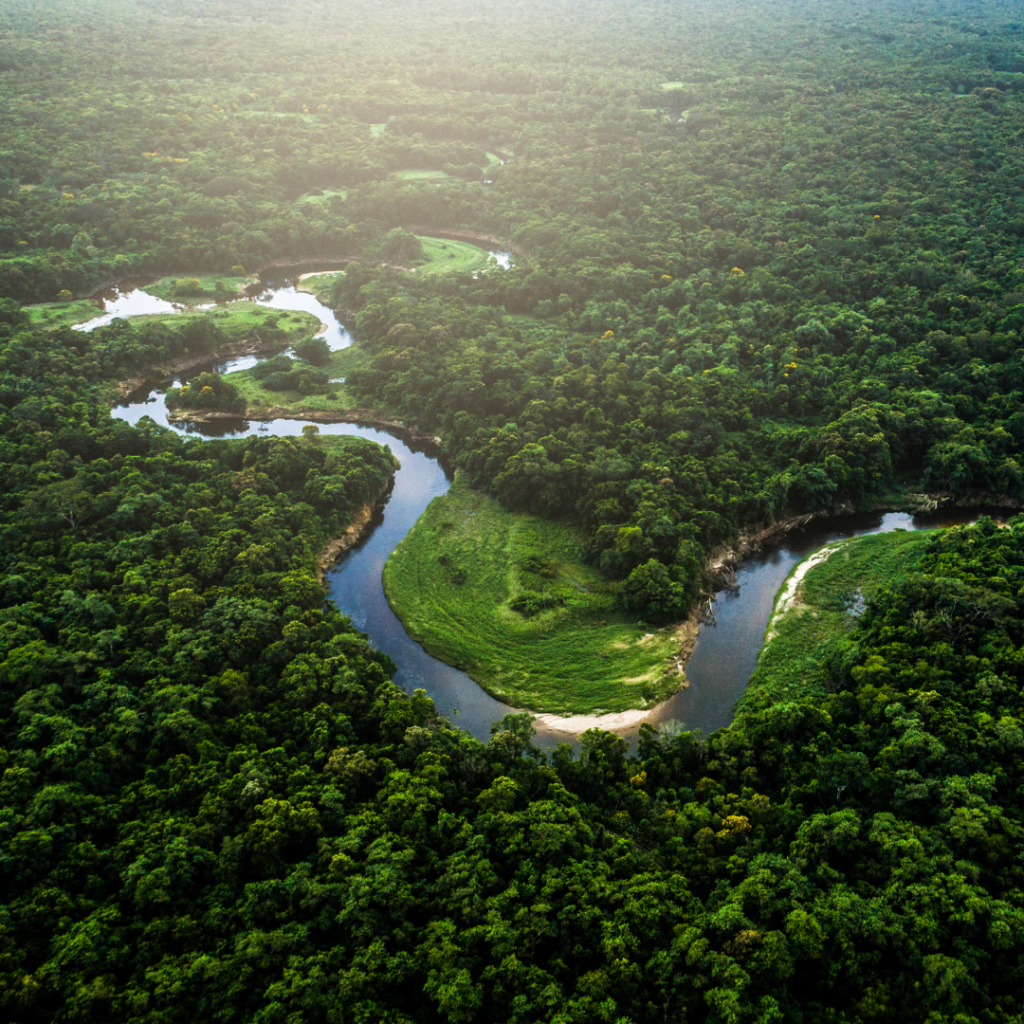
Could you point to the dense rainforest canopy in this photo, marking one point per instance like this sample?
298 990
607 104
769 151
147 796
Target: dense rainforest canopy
770 261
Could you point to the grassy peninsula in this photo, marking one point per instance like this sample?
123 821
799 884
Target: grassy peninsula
199 288
261 403
448 256
508 598
819 604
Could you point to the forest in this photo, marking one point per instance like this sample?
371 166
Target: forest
766 260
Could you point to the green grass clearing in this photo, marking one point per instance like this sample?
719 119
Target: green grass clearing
323 196
237 319
47 316
296 115
458 577
173 289
824 606
260 402
377 129
240 319
446 256
420 175
673 86
320 285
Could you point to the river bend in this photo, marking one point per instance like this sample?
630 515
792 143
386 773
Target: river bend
725 654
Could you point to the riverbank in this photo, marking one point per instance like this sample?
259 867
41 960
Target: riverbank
818 606
250 345
720 572
360 526
364 417
473 237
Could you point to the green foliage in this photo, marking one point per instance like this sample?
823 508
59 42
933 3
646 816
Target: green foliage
208 391
509 598
284 374
772 264
401 247
804 635
651 592
447 256
205 287
313 350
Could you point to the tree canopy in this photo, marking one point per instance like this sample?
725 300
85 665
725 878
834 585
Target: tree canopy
769 261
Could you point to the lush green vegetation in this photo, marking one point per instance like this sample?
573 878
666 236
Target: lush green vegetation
232 322
445 256
208 392
198 289
420 175
790 283
62 314
329 397
812 618
321 285
509 598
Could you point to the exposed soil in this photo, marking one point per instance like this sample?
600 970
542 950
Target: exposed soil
578 724
337 546
686 634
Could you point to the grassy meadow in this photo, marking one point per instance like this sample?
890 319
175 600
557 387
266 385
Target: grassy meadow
447 256
259 401
320 284
236 319
240 319
424 174
51 315
824 609
322 196
508 598
168 287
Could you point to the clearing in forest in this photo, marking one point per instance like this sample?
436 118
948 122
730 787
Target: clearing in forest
199 288
447 256
508 598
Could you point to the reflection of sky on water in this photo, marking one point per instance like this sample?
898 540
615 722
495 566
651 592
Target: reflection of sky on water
133 301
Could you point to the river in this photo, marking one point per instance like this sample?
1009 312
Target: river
725 654
355 584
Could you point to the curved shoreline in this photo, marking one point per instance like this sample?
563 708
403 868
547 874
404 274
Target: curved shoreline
719 574
247 346
478 238
364 417
576 725
283 262
362 518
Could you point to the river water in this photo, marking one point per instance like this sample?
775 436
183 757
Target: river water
725 654
355 584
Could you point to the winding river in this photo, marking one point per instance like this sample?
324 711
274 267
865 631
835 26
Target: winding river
725 654
355 583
